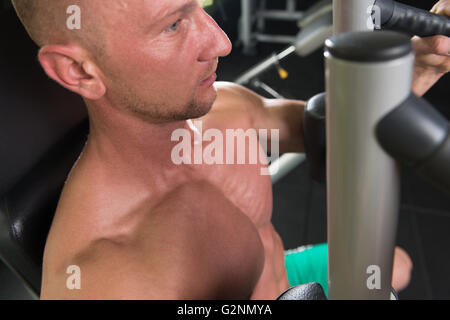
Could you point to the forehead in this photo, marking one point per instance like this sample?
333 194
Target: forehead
164 7
115 18
156 8
131 14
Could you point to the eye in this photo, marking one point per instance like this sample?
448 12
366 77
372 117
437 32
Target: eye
174 27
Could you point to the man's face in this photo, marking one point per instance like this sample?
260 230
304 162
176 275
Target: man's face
156 55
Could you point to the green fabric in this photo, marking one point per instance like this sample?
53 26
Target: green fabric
308 264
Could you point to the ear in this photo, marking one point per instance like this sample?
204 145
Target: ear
68 66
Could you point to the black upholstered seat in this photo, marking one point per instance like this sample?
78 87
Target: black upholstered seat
43 128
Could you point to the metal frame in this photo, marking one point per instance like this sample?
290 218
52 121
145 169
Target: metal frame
363 188
249 15
316 25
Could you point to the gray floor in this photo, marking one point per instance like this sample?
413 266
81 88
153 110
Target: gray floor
300 204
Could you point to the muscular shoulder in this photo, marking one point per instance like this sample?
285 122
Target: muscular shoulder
234 107
232 94
143 263
164 257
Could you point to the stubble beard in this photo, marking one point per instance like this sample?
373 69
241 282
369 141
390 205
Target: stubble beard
165 112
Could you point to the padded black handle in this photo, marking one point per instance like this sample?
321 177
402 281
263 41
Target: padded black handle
309 291
401 17
417 135
315 137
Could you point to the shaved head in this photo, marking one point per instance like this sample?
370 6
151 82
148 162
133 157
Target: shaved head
151 58
45 22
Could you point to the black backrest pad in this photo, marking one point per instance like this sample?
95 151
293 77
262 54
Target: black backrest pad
43 128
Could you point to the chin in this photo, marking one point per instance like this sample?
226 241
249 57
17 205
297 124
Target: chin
200 110
201 107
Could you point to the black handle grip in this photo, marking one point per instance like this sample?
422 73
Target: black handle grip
315 137
413 21
309 291
417 135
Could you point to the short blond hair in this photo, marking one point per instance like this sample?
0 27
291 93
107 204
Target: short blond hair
41 19
45 22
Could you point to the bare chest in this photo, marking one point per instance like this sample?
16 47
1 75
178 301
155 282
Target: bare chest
227 153
235 163
246 189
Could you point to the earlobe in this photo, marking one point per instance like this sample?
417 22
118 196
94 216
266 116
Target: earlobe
65 65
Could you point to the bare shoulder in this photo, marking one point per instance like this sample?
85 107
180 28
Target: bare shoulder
143 263
106 270
164 257
229 93
233 107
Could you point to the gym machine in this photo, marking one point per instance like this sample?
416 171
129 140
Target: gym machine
363 128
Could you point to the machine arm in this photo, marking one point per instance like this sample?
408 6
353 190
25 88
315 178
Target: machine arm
401 17
415 134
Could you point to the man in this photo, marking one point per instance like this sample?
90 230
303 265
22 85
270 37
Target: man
136 224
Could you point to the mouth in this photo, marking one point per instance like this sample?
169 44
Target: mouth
209 81
211 78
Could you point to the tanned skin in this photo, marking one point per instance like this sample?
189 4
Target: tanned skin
138 225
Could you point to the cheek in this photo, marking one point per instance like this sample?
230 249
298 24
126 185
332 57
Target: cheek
176 58
175 76
159 70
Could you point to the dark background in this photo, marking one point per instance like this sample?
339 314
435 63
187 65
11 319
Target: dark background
299 203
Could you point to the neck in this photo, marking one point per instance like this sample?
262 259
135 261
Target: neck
130 145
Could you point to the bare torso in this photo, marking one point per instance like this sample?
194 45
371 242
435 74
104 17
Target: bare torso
217 215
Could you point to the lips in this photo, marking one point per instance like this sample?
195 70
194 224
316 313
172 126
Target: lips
209 81
211 78
212 70
211 73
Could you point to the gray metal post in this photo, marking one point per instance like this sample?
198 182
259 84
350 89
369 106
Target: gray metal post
352 15
363 180
245 30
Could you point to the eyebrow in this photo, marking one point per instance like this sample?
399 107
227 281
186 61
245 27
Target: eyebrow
184 8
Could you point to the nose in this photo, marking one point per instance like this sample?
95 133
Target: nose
216 43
